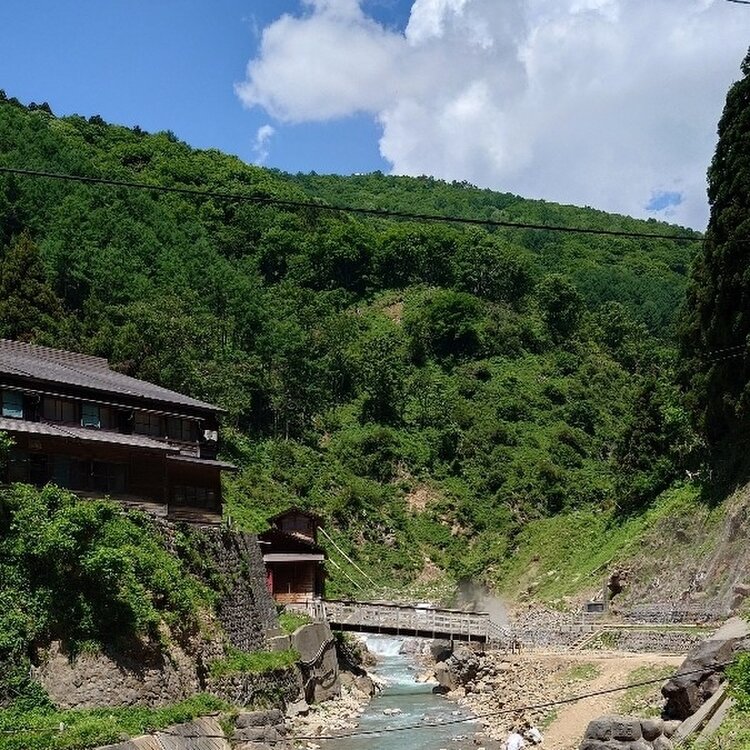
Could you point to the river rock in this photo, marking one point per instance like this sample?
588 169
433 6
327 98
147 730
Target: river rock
270 735
297 708
271 717
445 677
651 728
365 685
662 743
441 650
686 694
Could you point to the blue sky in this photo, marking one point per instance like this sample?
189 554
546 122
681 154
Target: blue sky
171 65
607 103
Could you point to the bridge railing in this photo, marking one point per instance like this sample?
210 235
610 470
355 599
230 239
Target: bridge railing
403 617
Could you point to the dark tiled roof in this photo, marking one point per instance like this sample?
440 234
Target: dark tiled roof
68 368
274 540
295 509
68 432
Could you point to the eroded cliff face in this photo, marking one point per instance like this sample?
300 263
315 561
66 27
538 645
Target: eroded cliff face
170 669
138 673
696 561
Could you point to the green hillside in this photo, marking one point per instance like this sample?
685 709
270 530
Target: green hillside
429 387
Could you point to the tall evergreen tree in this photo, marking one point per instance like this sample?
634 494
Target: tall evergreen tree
29 308
716 327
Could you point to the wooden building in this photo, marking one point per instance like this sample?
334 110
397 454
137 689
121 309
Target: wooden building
79 424
294 560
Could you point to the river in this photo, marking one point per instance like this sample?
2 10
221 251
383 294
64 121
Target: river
417 704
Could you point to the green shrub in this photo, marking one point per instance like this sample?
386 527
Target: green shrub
76 729
84 572
290 621
739 681
252 662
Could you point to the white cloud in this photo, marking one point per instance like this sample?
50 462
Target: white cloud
262 141
596 102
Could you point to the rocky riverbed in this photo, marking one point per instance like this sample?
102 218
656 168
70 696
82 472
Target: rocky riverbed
494 687
339 714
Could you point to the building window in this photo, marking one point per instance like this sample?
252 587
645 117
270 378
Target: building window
148 424
12 405
30 468
182 430
18 466
57 410
61 471
90 416
197 497
109 478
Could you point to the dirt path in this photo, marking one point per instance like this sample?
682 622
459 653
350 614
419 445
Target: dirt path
566 731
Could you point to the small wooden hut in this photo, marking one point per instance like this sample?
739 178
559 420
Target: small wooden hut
294 560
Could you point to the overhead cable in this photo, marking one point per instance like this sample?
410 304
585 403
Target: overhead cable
432 725
376 212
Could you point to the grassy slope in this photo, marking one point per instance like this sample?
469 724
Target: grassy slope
679 546
571 553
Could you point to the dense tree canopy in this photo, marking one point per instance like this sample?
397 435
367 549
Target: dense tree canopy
494 375
717 324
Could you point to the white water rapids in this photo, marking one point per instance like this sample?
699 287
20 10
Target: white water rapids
417 704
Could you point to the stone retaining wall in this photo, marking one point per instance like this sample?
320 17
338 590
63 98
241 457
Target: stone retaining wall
625 639
135 674
150 674
648 641
553 638
233 562
628 733
275 688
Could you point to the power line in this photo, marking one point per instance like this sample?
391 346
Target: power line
424 725
728 356
376 212
728 348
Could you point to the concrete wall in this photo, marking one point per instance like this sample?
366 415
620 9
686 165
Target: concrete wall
318 660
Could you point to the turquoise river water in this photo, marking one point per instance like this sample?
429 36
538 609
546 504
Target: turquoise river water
418 706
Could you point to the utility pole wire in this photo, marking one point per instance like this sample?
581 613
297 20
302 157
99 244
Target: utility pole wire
346 557
339 568
422 725
376 212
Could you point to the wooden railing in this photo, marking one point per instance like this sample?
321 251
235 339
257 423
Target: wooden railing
404 619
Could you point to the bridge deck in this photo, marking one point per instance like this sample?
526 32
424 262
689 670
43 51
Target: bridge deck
400 619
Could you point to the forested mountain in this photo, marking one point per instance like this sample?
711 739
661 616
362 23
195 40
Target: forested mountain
429 387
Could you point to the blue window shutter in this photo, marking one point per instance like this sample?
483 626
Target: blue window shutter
12 405
90 416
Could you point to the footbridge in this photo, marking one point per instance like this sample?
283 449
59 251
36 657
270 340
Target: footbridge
407 620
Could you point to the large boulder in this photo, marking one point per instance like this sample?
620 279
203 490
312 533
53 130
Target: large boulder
445 678
441 650
703 670
458 670
616 732
318 661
